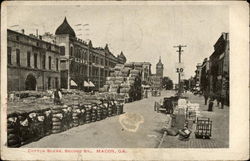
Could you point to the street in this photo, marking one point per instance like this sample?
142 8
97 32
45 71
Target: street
110 133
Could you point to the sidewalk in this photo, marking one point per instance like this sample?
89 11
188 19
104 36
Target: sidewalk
220 128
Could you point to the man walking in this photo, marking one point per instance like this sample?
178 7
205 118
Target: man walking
205 96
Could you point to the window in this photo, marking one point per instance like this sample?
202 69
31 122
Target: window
62 50
17 38
57 83
35 60
71 51
49 62
57 63
17 57
44 61
49 82
9 55
28 59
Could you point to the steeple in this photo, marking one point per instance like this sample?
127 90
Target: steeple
159 63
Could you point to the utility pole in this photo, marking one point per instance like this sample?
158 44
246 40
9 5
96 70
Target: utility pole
179 73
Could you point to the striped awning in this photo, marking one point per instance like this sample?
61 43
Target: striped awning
86 84
73 83
91 84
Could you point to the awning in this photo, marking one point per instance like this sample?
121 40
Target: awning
91 84
73 83
86 84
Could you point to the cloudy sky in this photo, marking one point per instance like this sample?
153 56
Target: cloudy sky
143 33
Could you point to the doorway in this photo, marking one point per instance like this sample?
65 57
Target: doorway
30 82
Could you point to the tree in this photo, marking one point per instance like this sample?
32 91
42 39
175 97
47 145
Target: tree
167 83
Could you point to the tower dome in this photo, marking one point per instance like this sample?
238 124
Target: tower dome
65 28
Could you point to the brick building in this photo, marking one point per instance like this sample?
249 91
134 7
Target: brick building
33 64
81 62
198 75
204 79
219 68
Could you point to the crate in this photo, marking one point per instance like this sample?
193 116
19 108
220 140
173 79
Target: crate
203 128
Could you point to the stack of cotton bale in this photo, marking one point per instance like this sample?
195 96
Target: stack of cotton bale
192 111
134 80
13 139
57 116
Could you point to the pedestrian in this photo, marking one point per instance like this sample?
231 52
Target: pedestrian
211 104
218 99
206 96
57 95
222 99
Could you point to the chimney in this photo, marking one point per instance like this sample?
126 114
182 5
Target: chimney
22 31
36 32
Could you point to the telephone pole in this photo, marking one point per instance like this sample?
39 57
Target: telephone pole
179 74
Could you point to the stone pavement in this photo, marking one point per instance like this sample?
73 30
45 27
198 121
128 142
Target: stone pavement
220 128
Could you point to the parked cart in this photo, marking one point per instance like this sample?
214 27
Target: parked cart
203 128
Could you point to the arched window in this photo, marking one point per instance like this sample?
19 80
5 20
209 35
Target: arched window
71 51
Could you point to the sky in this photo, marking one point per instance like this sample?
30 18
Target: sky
143 33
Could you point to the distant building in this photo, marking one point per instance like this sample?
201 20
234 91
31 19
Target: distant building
33 64
219 67
198 75
204 81
159 69
81 62
156 79
146 70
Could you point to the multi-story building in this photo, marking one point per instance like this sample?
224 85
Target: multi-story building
219 68
81 62
198 75
204 81
33 64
